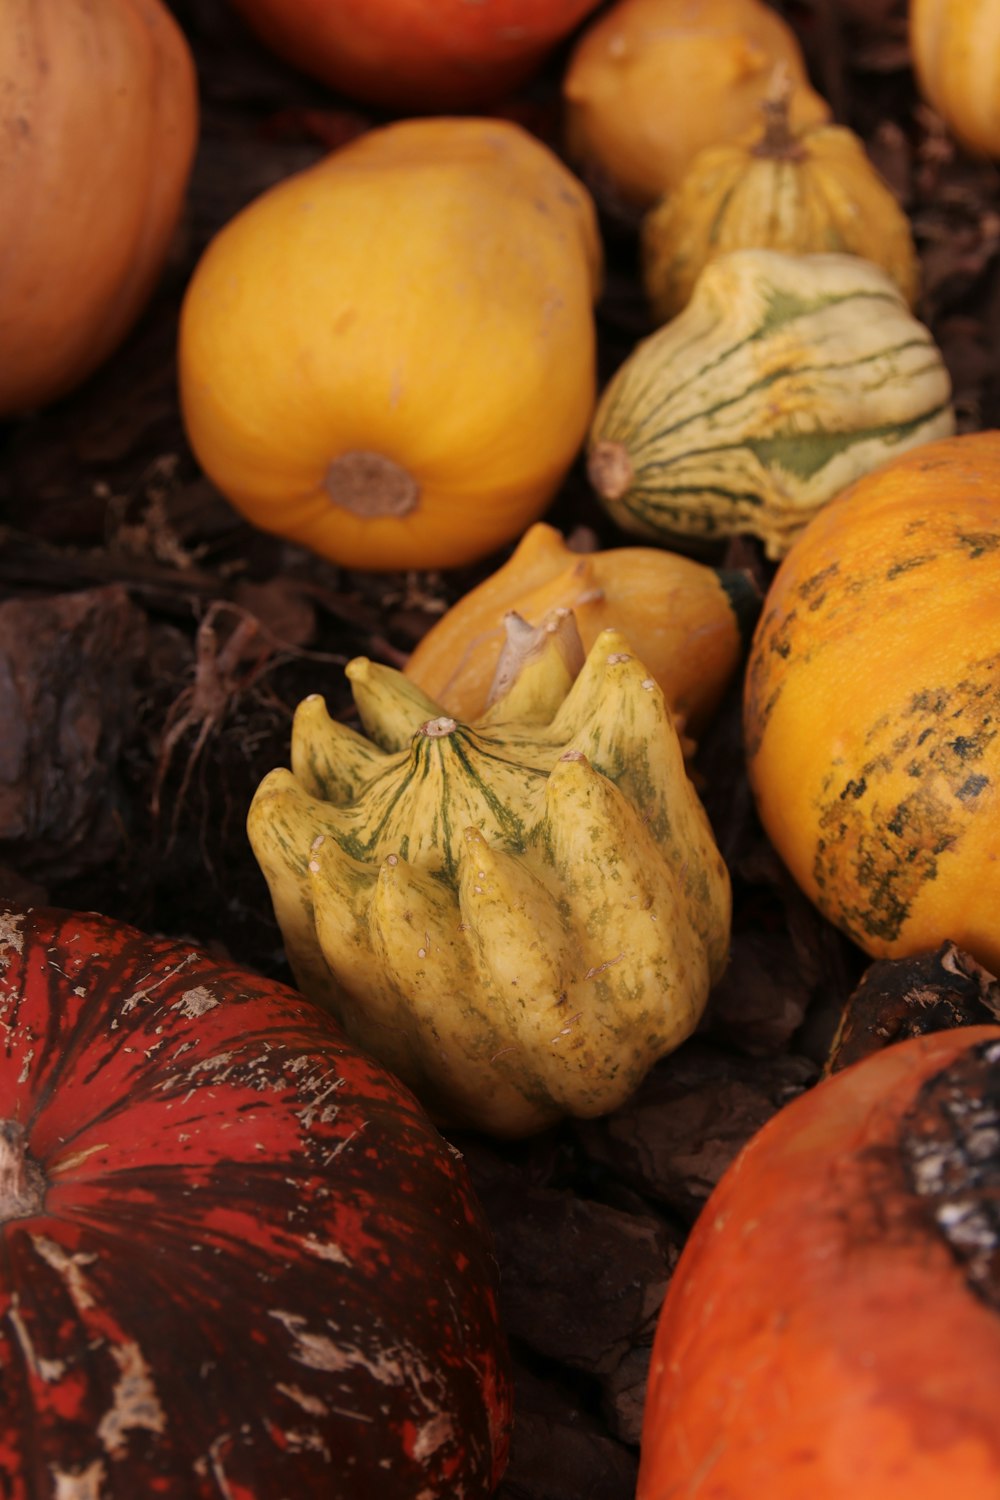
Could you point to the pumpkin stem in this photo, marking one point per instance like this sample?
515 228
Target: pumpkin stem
22 1185
778 143
609 469
370 485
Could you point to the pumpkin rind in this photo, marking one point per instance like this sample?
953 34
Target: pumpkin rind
831 1328
685 621
650 83
810 191
872 700
257 1269
330 383
518 916
99 110
785 378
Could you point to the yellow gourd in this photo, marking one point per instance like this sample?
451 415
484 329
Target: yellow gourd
389 357
685 621
519 915
873 703
955 46
810 190
650 83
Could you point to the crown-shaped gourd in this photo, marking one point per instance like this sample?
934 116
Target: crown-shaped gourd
519 915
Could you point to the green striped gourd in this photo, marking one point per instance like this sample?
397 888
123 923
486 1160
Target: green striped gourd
784 379
518 915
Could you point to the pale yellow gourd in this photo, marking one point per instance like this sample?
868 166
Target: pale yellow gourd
518 916
808 191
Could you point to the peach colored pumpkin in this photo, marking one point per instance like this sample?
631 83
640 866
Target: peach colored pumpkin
99 118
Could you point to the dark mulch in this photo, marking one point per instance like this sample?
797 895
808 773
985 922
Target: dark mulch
153 646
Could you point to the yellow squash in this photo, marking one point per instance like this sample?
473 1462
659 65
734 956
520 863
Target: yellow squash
807 191
650 83
389 357
872 713
955 46
685 621
519 915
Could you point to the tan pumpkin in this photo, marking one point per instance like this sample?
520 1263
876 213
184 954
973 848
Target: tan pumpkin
809 190
685 621
99 117
955 46
873 704
650 83
389 357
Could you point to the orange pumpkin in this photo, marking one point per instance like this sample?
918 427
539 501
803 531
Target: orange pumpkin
416 54
831 1327
389 357
873 700
99 116
684 620
650 83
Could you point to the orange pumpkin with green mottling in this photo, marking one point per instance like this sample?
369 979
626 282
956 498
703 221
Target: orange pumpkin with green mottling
872 705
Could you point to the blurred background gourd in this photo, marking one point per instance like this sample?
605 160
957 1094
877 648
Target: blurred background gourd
99 112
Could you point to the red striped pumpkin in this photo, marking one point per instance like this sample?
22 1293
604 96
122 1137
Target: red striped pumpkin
237 1259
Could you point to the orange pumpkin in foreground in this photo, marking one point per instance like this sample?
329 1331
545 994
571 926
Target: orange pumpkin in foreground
872 704
390 357
99 118
832 1328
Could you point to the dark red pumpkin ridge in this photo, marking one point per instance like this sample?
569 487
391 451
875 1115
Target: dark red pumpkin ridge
258 1271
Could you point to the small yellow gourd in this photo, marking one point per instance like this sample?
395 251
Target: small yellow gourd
650 83
518 916
955 46
810 190
685 621
389 357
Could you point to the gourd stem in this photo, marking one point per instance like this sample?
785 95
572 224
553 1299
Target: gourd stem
370 485
778 143
609 469
22 1185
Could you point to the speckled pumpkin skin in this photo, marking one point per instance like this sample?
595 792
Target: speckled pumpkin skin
872 705
257 1270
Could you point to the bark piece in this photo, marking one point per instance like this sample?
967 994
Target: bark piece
903 997
689 1118
560 1451
67 663
581 1282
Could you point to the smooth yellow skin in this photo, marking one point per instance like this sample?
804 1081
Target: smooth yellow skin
828 198
673 610
425 294
955 46
650 83
873 704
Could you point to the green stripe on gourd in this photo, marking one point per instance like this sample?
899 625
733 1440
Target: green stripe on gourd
517 916
783 380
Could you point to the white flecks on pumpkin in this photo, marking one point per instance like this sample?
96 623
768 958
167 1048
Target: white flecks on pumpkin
311 1404
69 1267
134 1401
87 1484
11 935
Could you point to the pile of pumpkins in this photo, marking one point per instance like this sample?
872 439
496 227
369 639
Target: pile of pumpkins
501 896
